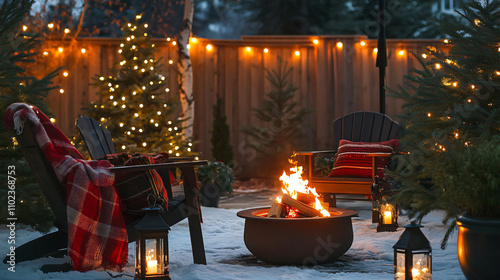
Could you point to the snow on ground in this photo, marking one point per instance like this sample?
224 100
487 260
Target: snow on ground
370 257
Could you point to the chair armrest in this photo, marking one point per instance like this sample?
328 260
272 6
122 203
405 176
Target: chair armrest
379 155
311 153
158 166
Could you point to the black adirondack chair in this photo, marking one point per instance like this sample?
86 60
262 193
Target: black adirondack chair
55 195
356 127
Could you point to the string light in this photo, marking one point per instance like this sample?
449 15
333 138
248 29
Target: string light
266 50
103 119
168 39
132 37
115 103
111 97
167 89
174 43
469 100
446 41
429 115
146 25
362 43
83 50
193 40
473 86
25 28
140 130
498 73
120 51
170 61
134 93
340 45
375 50
136 115
66 30
188 46
45 53
123 106
438 66
123 147
61 91
65 73
209 47
133 128
158 113
455 84
122 124
144 144
50 25
297 53
141 105
52 120
424 55
152 68
248 49
401 52
60 49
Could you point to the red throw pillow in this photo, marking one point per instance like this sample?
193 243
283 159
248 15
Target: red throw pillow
352 160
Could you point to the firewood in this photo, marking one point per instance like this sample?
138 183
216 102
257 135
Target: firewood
304 209
306 198
277 210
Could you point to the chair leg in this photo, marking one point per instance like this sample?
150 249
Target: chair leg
330 199
194 215
40 247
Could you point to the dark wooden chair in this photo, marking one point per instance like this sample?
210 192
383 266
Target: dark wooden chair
55 195
99 143
356 127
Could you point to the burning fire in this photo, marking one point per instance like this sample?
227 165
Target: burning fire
294 184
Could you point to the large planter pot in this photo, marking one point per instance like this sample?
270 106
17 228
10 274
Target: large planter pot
479 248
210 195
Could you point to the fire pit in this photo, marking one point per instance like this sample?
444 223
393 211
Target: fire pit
298 241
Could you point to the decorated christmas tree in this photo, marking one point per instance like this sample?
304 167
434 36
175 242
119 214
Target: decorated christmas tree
18 48
452 114
135 105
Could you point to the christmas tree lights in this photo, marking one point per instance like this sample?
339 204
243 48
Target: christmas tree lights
136 107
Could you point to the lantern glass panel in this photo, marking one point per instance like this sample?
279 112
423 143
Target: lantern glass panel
400 265
154 256
387 213
421 269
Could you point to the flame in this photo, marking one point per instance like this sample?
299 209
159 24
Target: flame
293 184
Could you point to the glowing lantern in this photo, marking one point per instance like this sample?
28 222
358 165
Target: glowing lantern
412 255
151 246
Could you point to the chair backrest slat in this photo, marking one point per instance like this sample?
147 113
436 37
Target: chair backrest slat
42 169
364 127
99 143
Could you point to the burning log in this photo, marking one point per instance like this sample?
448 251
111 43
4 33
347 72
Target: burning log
303 208
277 210
307 198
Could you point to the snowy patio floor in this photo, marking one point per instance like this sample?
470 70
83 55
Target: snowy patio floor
370 257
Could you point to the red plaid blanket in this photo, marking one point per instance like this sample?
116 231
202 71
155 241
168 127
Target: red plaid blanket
96 230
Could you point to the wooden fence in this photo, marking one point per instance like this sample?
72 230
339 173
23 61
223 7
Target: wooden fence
333 79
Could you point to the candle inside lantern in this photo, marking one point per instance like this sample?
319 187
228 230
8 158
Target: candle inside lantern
152 265
387 217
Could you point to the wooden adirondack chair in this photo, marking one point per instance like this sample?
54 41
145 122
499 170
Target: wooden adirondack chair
99 143
55 195
356 127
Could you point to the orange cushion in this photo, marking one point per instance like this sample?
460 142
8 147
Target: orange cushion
352 160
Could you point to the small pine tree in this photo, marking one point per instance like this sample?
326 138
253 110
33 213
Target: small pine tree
17 50
135 106
221 147
279 137
454 103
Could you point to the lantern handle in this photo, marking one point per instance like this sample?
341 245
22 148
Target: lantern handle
152 203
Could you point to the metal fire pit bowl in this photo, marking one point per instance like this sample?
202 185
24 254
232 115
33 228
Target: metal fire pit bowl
298 241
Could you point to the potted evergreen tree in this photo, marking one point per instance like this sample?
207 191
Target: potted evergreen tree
452 117
215 180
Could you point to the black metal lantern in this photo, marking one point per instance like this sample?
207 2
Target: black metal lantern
388 217
385 213
412 255
151 246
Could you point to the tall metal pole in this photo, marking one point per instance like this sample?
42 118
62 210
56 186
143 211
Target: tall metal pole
381 54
